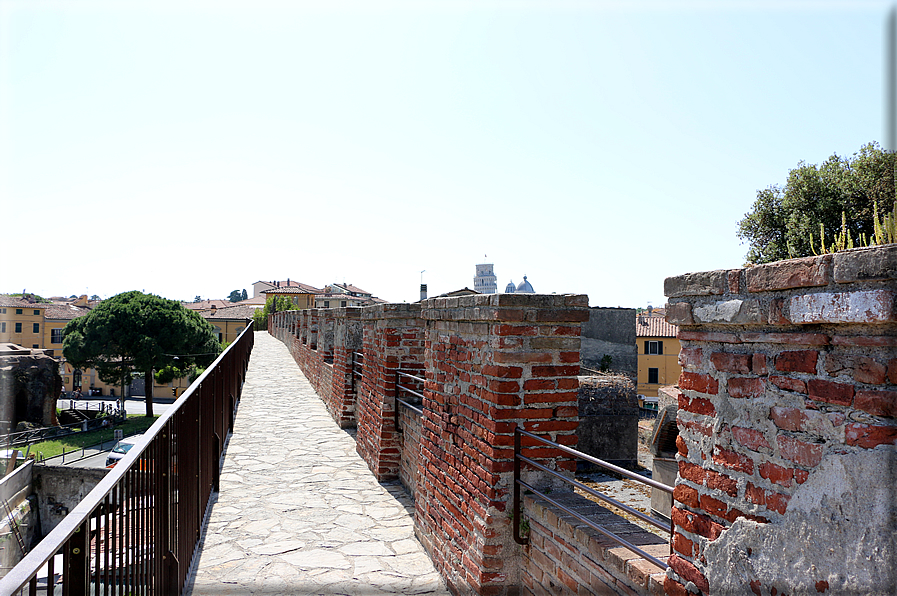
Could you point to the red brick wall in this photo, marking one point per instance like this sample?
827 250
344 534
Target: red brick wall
409 447
566 556
393 338
490 363
788 367
493 362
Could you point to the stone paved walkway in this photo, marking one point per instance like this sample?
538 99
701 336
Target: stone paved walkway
298 511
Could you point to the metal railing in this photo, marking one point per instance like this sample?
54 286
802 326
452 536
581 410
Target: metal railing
518 483
356 368
138 530
414 407
45 433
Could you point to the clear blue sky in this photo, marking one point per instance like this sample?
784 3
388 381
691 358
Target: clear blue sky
193 148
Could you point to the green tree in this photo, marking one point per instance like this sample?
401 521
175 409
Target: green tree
234 296
783 218
244 295
134 331
272 305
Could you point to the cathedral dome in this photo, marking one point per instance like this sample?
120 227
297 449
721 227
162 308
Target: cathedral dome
525 287
510 288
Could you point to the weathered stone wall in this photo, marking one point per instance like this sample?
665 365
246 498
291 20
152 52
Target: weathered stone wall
29 386
16 490
787 427
608 419
610 331
59 490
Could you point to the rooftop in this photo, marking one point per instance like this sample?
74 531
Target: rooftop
654 326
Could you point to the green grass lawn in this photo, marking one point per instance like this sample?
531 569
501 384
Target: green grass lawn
134 425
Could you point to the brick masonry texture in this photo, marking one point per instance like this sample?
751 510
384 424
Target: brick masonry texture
772 393
489 363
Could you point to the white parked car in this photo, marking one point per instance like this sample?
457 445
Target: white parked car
121 449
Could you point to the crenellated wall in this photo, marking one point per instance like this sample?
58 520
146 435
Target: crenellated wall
787 464
490 363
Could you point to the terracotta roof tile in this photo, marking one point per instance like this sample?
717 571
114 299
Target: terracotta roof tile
12 301
65 312
240 311
655 326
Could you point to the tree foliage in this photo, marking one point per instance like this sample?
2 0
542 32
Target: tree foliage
783 217
272 305
234 296
141 332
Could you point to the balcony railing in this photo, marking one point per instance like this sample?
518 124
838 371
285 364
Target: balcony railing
138 530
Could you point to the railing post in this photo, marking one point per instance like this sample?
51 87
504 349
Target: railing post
517 504
76 558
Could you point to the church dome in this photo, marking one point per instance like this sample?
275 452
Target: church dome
525 287
511 288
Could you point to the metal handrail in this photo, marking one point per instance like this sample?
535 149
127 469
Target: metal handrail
139 528
401 402
518 483
354 369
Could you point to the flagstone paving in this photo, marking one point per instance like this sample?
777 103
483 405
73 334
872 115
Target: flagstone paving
298 511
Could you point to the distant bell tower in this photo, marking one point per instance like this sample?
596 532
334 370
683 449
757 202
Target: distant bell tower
484 282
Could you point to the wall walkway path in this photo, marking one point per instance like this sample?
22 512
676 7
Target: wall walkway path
299 512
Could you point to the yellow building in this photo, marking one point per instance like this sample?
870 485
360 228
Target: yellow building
301 297
658 353
39 325
230 321
22 322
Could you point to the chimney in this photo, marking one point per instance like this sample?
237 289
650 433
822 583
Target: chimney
214 309
423 291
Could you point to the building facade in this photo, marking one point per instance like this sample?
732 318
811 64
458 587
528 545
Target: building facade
658 353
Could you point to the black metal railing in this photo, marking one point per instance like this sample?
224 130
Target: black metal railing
356 369
518 484
414 406
138 530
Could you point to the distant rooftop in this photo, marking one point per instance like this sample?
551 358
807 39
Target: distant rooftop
654 326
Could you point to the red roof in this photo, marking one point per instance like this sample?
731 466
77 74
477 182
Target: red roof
646 326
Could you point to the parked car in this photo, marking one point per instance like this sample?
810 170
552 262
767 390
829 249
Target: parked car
121 449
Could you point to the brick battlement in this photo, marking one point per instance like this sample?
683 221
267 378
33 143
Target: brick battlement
787 400
489 363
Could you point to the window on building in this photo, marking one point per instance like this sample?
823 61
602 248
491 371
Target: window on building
35 346
35 327
18 311
653 347
3 327
55 336
18 327
36 311
327 304
652 375
342 303
2 311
